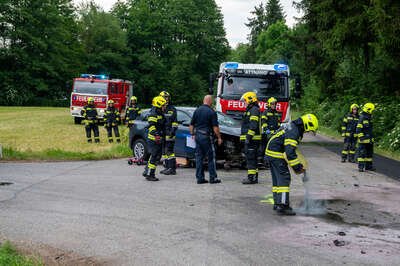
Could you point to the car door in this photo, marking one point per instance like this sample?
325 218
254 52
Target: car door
181 134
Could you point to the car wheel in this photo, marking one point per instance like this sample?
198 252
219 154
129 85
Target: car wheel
140 150
77 120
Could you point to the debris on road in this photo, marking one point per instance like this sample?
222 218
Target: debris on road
339 243
341 233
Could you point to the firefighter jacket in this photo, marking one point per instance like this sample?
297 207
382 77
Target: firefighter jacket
285 141
132 113
364 129
156 127
270 120
251 123
111 116
89 112
349 125
171 122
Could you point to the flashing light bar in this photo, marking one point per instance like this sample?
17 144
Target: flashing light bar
280 67
91 76
231 65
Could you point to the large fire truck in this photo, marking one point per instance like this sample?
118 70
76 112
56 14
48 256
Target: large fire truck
234 79
101 89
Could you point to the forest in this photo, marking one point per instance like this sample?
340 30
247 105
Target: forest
344 52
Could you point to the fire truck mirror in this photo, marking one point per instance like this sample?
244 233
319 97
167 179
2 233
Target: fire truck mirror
213 77
297 88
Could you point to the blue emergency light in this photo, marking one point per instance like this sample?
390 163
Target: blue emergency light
91 76
231 65
280 67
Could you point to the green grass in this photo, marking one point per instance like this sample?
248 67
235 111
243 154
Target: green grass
48 133
327 131
10 257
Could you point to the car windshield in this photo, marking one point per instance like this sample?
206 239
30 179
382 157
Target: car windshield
88 87
266 86
227 121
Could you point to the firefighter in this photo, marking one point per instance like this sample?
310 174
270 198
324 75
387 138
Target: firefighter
365 138
250 135
112 118
270 123
285 141
89 112
155 135
132 112
349 126
171 125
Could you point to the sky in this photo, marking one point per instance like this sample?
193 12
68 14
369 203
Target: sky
235 14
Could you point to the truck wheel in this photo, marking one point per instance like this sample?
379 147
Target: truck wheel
139 149
77 120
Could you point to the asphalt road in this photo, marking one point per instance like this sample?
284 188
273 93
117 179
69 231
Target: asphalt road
106 210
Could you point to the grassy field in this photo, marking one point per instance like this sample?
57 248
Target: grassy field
10 257
48 133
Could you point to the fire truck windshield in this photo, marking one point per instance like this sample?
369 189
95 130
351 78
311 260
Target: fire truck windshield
265 86
88 87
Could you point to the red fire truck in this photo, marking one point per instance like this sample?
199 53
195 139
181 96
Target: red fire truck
101 89
266 81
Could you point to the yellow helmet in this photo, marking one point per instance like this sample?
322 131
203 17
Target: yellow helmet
249 97
368 108
165 94
272 100
134 98
310 122
354 105
90 100
158 101
110 101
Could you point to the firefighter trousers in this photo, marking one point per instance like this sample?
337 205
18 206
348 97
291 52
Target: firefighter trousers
116 133
95 128
263 145
349 148
280 180
155 150
365 153
251 151
169 154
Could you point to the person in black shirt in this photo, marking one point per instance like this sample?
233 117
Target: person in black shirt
203 126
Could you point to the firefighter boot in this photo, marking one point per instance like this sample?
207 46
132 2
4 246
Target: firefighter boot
369 167
251 179
285 210
351 158
89 140
171 164
97 140
150 175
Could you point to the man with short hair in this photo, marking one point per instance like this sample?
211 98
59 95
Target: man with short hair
203 127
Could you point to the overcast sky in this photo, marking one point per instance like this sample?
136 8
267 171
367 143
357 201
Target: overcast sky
235 14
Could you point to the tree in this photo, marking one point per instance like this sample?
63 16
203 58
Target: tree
39 50
104 42
273 13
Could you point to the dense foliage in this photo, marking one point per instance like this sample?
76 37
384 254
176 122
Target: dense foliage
345 52
170 44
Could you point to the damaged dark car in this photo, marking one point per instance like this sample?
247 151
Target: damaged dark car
229 153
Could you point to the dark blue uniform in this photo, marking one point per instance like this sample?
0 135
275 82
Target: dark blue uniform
365 142
349 126
89 112
284 141
171 125
203 121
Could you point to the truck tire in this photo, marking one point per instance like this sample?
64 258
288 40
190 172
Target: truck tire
77 120
140 150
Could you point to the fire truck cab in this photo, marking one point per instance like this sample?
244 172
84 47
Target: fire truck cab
101 89
235 79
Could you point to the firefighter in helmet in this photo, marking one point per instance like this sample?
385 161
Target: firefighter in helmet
285 141
112 118
250 135
171 125
365 138
132 112
349 126
270 123
155 135
89 112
